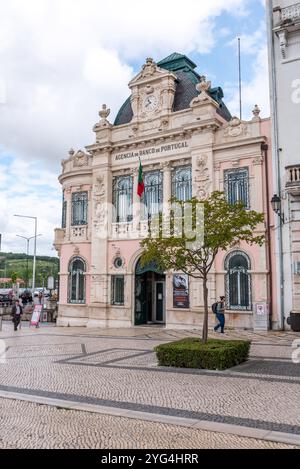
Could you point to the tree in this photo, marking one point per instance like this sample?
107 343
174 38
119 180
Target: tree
225 225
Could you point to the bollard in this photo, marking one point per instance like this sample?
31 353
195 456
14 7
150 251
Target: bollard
1 315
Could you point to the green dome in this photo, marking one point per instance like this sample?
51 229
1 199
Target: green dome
186 82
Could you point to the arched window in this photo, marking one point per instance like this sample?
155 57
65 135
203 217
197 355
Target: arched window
153 194
77 271
238 281
122 198
182 183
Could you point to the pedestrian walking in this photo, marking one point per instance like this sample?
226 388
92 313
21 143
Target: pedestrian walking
219 310
16 313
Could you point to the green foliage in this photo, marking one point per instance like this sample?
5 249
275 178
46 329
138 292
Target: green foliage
225 225
17 263
214 355
14 277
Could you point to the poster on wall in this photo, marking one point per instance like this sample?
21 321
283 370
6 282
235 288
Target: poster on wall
181 291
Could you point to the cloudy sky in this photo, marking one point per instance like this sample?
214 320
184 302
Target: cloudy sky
60 60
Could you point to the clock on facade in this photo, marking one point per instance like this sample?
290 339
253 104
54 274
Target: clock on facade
150 103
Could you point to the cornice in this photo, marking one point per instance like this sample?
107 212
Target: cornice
239 143
78 172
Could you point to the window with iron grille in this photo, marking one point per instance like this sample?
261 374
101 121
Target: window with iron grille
122 198
77 269
79 208
182 183
236 184
64 214
238 281
117 290
153 194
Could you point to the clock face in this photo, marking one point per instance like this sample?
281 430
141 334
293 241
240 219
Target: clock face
150 103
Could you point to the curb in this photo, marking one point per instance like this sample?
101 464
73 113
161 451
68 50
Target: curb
249 432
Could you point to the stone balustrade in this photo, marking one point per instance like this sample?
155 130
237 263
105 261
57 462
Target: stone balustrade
293 177
291 13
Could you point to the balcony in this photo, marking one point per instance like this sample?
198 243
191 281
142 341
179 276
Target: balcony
59 236
290 13
293 179
79 233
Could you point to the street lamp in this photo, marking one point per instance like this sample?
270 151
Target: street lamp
28 239
35 236
276 206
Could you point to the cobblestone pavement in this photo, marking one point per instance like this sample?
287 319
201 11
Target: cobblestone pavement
117 368
27 425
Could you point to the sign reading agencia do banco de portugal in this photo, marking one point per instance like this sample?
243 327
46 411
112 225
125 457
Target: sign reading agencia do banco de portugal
152 151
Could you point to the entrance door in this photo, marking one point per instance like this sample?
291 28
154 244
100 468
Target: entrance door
141 306
159 302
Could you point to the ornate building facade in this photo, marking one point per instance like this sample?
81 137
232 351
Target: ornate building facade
189 145
284 59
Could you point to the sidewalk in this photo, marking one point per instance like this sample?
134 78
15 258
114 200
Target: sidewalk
114 372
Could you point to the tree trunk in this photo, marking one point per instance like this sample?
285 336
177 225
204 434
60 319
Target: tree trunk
205 322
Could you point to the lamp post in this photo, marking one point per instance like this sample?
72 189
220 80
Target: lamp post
28 239
276 206
34 256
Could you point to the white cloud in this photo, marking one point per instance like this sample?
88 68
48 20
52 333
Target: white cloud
59 61
255 90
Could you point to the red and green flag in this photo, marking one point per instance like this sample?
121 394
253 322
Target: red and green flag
141 185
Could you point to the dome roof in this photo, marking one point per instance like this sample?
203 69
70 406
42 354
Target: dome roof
187 79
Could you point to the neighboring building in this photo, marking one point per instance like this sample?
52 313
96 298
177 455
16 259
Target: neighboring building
189 145
284 54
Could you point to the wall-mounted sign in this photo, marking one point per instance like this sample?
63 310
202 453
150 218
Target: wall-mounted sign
156 150
181 291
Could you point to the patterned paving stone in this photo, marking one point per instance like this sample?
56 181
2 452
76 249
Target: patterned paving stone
117 367
27 425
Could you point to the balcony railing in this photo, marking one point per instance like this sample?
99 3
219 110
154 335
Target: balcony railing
291 13
293 176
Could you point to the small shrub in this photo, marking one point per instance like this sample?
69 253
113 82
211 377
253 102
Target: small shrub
192 353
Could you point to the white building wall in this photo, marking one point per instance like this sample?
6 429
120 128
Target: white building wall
284 54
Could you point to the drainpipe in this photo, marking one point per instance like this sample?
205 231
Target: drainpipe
264 148
276 149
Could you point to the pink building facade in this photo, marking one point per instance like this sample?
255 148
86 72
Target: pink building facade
189 145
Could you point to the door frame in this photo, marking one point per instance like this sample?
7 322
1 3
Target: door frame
163 282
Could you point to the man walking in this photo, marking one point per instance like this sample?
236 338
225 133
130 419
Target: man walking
16 313
220 313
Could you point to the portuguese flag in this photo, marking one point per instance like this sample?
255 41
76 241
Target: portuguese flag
141 185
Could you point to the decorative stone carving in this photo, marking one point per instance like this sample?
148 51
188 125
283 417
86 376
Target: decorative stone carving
283 42
256 113
202 182
80 159
150 125
76 251
202 87
164 124
235 128
99 198
149 68
103 113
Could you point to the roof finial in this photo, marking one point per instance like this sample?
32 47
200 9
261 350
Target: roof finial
256 112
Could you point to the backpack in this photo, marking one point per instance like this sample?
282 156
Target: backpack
215 308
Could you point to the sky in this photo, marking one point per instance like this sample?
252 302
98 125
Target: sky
60 60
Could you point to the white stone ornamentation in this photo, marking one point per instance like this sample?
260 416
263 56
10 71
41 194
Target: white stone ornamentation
236 128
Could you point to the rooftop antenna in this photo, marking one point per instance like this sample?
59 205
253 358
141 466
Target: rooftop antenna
240 76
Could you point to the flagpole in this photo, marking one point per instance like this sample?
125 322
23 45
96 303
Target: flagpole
240 76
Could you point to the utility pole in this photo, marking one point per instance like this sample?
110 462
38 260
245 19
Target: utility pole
34 256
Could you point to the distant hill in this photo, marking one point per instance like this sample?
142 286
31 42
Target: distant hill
11 263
